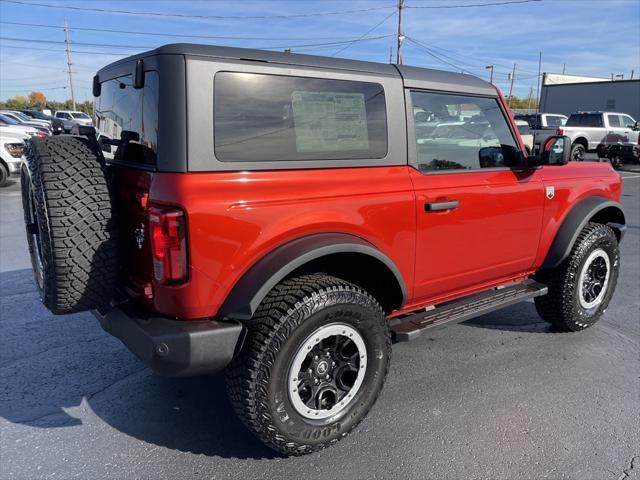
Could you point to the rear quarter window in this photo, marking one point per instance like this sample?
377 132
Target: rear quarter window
130 115
585 120
260 117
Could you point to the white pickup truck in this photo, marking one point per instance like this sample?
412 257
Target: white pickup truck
542 126
590 131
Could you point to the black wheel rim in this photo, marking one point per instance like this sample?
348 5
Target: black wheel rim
327 371
578 154
33 230
594 279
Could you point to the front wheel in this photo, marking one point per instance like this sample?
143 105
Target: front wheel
314 361
578 152
581 287
4 175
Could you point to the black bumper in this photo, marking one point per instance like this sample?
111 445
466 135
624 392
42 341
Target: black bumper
173 347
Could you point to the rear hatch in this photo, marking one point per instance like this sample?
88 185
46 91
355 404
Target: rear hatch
127 127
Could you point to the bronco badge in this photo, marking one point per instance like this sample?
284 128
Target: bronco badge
551 191
139 235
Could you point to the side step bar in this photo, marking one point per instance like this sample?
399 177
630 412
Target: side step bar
409 327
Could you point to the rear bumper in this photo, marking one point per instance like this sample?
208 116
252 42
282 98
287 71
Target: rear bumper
173 347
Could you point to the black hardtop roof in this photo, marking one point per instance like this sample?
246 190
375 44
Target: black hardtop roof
413 76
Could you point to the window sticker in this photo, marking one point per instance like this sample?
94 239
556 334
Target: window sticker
328 121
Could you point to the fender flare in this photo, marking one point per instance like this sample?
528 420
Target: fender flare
573 224
266 273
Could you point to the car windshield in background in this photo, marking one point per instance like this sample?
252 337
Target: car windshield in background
8 120
82 115
585 120
131 115
524 129
555 121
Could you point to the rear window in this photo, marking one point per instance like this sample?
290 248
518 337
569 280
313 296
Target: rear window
555 121
585 120
272 117
80 115
130 115
524 129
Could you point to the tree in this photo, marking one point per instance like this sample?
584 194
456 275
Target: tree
18 102
37 98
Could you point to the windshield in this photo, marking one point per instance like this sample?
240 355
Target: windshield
80 115
8 120
21 116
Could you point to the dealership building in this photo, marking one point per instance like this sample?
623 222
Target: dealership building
566 94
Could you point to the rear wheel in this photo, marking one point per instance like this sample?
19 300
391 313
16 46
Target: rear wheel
578 152
581 287
314 361
70 223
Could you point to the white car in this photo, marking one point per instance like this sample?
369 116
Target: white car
16 129
11 156
19 118
72 117
525 133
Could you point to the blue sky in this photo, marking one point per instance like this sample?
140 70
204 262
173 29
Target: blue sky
593 37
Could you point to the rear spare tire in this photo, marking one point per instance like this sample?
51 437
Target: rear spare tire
70 223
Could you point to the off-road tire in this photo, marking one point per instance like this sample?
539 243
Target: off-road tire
578 152
257 378
73 237
561 306
4 175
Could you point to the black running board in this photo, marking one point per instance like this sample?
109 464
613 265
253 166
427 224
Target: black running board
409 327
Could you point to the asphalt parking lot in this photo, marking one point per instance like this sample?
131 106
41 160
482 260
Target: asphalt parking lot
501 396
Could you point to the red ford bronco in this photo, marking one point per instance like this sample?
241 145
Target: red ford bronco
285 217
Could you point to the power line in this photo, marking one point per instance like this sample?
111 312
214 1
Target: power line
178 35
437 57
361 37
472 5
148 47
183 15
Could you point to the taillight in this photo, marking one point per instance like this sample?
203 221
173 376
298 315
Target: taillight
560 131
41 134
168 244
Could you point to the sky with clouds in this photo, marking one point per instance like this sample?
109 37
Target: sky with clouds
592 37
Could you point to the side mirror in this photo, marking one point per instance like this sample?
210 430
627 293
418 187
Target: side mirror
97 86
556 150
633 126
138 75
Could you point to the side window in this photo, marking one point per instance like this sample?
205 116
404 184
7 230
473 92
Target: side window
614 120
457 132
626 121
260 117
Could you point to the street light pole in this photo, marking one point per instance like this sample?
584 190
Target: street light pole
490 68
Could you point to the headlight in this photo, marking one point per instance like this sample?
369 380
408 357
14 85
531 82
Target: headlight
14 149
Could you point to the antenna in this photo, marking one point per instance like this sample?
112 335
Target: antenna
538 105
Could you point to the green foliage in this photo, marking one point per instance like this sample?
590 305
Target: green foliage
39 102
520 103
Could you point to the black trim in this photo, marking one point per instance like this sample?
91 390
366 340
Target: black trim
573 224
257 282
173 347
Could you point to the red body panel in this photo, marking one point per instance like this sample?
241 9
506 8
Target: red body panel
501 231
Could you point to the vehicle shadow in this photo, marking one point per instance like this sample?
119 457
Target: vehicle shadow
56 370
517 318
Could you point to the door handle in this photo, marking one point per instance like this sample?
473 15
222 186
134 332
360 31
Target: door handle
440 206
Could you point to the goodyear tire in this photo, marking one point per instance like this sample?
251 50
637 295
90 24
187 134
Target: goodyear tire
313 363
70 223
581 287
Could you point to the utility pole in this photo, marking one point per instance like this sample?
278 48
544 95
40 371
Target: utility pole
66 45
400 33
513 77
632 74
390 54
490 68
564 67
530 98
